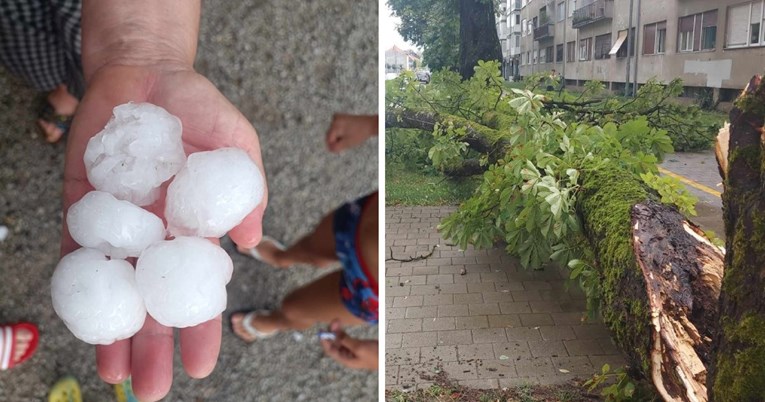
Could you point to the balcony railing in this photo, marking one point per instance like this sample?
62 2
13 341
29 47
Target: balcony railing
593 12
545 31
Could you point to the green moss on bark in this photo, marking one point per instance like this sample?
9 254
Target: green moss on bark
607 198
740 377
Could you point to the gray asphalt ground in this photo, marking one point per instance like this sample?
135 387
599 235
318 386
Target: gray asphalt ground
288 66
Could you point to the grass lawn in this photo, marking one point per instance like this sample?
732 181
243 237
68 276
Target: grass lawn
409 186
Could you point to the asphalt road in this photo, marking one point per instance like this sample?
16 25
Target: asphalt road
288 66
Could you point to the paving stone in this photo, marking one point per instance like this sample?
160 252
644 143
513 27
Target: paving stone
450 269
526 295
438 261
514 307
468 298
514 350
536 320
395 290
480 287
489 335
453 310
496 368
541 306
472 322
407 301
437 299
547 348
461 370
483 309
396 357
420 312
535 367
495 297
410 280
523 334
391 374
615 361
577 365
395 313
475 352
568 318
438 324
414 373
423 290
425 270
584 347
504 321
397 271
557 333
536 285
514 383
392 341
420 339
591 332
493 277
439 279
467 278
457 337
436 354
404 325
453 288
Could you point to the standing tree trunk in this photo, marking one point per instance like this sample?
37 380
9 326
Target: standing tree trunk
478 35
738 371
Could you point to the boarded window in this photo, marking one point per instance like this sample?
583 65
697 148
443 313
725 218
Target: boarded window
602 46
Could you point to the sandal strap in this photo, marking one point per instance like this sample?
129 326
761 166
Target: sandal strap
6 347
252 331
254 251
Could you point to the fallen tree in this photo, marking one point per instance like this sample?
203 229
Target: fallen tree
586 196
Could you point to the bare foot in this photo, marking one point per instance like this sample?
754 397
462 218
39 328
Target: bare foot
261 323
63 104
269 253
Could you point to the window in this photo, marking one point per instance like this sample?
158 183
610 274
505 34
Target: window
549 55
561 11
528 57
585 45
571 8
602 46
559 53
517 41
542 55
571 52
517 19
697 32
536 56
654 37
625 45
523 27
755 23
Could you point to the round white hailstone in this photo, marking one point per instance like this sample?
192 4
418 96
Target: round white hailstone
213 192
118 228
96 297
183 281
139 149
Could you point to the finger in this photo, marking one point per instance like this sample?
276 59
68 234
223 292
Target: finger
152 360
248 233
335 326
113 361
200 346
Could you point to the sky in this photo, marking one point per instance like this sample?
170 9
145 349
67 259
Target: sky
388 33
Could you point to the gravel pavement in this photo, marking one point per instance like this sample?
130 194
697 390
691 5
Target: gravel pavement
288 66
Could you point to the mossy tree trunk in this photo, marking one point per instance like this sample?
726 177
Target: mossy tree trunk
660 280
478 35
738 372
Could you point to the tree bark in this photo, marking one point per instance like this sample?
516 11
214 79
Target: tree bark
478 35
738 372
660 282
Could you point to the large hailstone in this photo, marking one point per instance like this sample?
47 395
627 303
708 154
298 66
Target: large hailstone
96 297
183 281
213 192
117 228
139 149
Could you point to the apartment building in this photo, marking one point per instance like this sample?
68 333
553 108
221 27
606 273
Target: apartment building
398 60
710 44
509 31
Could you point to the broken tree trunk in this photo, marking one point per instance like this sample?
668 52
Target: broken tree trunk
738 372
660 282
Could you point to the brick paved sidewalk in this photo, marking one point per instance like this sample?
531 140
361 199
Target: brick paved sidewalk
496 326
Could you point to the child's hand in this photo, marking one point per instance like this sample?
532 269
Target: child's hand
350 352
348 131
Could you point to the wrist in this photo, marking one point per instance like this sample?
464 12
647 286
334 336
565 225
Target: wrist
142 33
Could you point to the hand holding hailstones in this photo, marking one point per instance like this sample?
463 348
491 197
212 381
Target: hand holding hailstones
181 282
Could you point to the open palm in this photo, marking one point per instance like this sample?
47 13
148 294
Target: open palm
209 122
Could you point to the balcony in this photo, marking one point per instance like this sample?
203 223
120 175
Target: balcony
593 12
544 31
516 29
515 5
